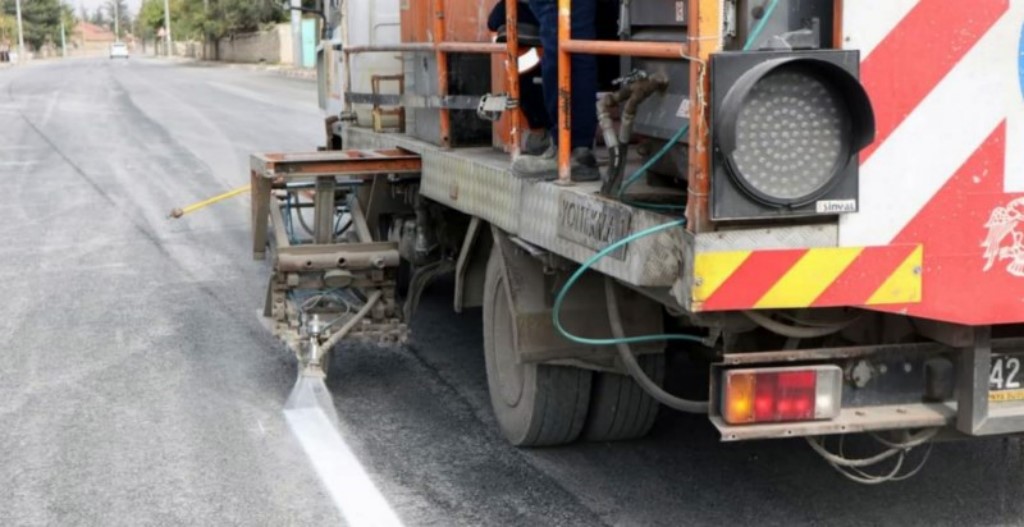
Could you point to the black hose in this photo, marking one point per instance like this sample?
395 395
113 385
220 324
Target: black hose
633 367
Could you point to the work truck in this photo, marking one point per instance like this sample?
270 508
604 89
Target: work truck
818 203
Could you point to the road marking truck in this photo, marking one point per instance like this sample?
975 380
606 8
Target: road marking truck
818 204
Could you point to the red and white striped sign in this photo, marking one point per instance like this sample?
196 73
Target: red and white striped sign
947 169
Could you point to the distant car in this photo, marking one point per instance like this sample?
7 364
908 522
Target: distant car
118 50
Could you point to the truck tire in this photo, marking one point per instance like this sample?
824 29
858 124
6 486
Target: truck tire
534 404
619 408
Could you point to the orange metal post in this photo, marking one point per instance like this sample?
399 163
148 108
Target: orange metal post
564 93
512 69
442 72
705 39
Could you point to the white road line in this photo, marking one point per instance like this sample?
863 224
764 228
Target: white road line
344 478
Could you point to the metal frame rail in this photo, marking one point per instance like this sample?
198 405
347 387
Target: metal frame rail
442 48
700 46
275 170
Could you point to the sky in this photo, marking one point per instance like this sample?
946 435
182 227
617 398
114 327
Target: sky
91 5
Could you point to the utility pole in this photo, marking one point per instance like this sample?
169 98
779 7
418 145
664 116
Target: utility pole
117 21
167 26
63 38
207 39
21 32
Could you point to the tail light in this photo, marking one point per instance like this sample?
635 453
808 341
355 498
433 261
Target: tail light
773 395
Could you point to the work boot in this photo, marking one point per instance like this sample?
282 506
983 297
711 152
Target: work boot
537 142
584 165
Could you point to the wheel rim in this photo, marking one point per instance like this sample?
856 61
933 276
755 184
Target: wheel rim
510 374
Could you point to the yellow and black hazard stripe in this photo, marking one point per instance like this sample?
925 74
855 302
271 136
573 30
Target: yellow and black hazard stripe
800 278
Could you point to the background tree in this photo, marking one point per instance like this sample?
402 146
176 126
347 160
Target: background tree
98 18
212 18
150 18
241 16
8 30
118 9
40 19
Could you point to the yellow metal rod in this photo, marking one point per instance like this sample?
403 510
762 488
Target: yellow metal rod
177 213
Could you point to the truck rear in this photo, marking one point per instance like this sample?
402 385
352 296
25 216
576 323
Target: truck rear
816 203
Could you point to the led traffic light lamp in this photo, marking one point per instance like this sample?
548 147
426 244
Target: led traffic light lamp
786 130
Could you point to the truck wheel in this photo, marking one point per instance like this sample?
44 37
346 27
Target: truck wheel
535 404
619 408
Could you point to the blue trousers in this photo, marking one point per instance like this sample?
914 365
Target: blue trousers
584 68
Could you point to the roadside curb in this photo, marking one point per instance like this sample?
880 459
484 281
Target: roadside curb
284 71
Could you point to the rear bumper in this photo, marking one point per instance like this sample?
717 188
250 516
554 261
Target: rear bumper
850 421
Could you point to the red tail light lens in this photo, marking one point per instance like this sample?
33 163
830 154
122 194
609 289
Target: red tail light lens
773 395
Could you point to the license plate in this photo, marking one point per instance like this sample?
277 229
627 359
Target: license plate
1005 379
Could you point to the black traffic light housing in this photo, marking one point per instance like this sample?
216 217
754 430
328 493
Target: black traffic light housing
783 83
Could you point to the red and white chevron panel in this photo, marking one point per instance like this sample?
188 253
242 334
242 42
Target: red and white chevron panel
947 169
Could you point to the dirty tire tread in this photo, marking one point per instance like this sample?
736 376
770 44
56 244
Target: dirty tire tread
553 406
619 408
564 409
581 404
632 399
622 392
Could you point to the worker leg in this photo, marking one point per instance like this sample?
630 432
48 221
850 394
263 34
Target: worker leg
584 76
584 93
584 67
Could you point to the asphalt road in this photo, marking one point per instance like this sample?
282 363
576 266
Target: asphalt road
137 386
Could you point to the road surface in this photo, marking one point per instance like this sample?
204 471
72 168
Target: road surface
137 386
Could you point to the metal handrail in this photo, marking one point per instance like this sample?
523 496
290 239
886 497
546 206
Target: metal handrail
567 47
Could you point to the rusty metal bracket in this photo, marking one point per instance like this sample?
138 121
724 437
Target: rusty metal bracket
320 280
379 112
351 163
271 170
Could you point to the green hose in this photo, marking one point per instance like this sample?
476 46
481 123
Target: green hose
759 28
555 312
643 170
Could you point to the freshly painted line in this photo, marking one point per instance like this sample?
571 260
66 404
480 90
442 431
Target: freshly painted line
344 478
